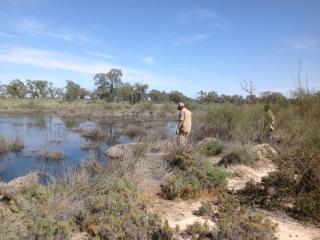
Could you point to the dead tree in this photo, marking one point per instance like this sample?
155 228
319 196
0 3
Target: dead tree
250 88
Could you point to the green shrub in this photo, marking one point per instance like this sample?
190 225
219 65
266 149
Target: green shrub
201 231
139 149
237 223
241 154
180 158
105 207
214 147
206 209
191 182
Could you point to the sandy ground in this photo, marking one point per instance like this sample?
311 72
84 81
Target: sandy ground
182 213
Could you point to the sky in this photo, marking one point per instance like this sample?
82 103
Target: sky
184 45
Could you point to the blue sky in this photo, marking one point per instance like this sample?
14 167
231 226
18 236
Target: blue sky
188 45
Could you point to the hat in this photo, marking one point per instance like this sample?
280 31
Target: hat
180 105
266 106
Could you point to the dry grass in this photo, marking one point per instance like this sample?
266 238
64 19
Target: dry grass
95 134
50 155
87 199
17 145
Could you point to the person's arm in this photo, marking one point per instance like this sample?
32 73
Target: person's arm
181 119
179 126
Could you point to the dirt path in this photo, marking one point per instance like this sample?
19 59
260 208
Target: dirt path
178 212
182 213
290 229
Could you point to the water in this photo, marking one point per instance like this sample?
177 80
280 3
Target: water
49 132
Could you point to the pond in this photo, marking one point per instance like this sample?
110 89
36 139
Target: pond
53 144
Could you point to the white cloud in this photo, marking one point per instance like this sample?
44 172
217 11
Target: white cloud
196 15
37 28
148 60
49 59
302 45
185 40
102 54
8 35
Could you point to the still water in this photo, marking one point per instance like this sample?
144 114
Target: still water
51 133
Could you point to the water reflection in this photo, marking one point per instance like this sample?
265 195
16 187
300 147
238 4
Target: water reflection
48 132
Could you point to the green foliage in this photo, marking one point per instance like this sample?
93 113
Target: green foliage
206 209
201 231
74 91
240 154
176 97
92 202
16 88
140 149
157 96
108 84
237 223
213 148
180 158
191 178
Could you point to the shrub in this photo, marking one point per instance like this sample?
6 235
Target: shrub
214 147
201 231
105 207
237 223
191 178
206 209
139 149
180 158
240 154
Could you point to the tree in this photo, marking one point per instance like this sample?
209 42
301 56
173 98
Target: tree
16 88
108 84
138 92
209 97
158 96
74 91
272 98
250 88
176 97
39 88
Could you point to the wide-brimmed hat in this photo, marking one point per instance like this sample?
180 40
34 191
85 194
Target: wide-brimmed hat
180 105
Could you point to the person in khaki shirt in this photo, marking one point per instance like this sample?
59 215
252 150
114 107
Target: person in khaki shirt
268 123
184 125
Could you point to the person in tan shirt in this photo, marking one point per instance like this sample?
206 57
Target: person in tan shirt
268 123
184 125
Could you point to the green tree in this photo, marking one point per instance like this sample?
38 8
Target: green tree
74 91
16 88
138 92
108 84
176 97
158 96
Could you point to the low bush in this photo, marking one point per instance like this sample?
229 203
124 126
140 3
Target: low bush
206 209
240 154
201 231
105 207
180 158
140 149
237 223
191 177
214 147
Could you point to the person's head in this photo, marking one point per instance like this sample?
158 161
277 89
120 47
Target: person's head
266 108
180 106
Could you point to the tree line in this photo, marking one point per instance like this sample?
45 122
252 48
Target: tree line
111 88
